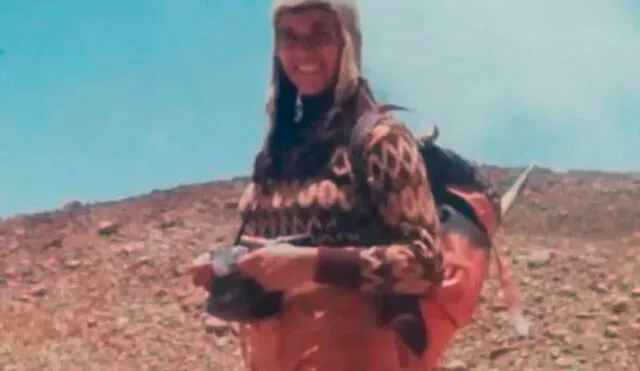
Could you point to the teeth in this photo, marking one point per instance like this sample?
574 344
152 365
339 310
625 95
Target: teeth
308 68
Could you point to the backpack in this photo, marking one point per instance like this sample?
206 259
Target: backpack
447 173
446 169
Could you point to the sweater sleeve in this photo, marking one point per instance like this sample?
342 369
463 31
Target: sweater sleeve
398 185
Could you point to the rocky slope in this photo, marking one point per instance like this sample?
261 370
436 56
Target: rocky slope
102 286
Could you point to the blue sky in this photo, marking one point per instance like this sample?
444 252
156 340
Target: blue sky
101 100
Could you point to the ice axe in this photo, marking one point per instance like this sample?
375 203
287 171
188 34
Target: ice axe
509 288
520 323
512 194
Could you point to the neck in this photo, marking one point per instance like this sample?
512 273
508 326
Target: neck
315 106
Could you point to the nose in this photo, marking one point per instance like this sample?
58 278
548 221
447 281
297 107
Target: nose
304 49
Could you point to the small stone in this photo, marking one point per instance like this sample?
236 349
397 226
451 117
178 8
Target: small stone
586 315
539 259
91 322
215 326
456 365
499 352
558 333
614 320
38 291
222 341
599 288
612 332
177 222
72 263
144 260
161 293
11 272
122 321
620 305
128 249
231 205
568 291
555 352
107 228
24 298
563 362
53 244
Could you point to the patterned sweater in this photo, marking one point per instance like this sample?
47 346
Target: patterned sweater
378 235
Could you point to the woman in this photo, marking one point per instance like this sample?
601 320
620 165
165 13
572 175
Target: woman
367 291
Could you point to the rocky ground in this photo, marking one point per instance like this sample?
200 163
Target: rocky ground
102 286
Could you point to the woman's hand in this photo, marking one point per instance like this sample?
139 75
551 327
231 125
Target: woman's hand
215 263
277 266
274 265
202 272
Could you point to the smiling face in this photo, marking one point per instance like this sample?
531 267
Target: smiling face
308 46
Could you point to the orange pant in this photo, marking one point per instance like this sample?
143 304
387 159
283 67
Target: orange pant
330 329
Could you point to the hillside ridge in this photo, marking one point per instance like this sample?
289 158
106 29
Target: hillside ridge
102 285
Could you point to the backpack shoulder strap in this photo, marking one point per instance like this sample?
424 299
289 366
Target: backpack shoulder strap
366 121
369 118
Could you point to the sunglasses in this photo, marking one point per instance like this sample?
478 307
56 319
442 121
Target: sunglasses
317 38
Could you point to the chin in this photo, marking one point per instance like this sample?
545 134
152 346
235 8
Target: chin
311 89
